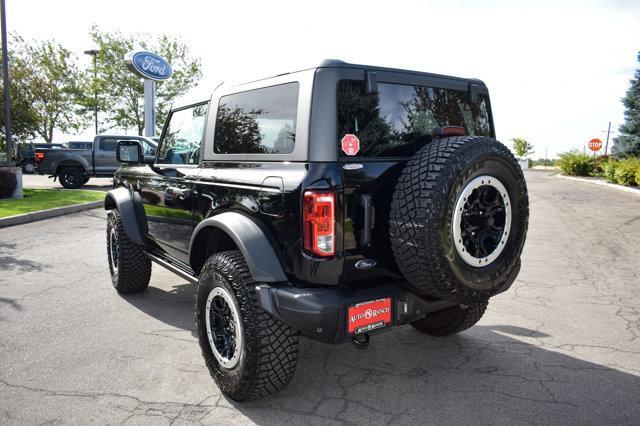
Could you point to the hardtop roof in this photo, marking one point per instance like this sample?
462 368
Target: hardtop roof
334 63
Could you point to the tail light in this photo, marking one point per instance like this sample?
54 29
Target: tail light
318 222
39 156
449 131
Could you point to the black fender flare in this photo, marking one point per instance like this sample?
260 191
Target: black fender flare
256 248
131 210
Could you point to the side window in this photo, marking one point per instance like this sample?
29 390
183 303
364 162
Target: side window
183 136
107 144
261 121
400 119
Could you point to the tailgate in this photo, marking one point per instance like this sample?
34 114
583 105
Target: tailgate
368 190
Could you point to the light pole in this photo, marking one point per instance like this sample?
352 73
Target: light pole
94 53
609 133
606 147
5 80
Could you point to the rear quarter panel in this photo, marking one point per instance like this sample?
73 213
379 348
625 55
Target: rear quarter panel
53 158
254 189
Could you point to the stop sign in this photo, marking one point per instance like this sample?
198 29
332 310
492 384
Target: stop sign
350 144
595 145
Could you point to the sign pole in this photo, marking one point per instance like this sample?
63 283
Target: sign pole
151 68
149 107
5 80
606 147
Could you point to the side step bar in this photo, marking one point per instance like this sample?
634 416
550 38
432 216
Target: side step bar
173 268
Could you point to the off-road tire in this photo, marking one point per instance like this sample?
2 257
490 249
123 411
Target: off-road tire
451 320
421 218
132 272
71 177
270 347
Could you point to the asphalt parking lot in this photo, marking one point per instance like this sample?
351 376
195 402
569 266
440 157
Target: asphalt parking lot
562 346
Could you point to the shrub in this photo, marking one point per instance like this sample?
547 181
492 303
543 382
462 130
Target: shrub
609 169
576 163
8 183
601 160
625 173
638 176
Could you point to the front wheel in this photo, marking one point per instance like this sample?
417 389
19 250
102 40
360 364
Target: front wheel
248 353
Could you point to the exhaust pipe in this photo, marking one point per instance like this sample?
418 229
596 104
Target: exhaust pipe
360 341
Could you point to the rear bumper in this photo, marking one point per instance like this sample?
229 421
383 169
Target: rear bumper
321 313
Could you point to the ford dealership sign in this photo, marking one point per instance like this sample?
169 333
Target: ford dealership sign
148 65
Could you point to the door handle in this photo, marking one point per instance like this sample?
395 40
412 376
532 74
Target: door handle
368 217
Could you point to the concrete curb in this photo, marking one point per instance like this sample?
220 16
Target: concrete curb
46 214
602 183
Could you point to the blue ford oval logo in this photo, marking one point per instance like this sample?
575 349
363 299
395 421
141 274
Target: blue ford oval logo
366 263
148 65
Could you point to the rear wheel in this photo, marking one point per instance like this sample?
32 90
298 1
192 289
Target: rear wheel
29 167
130 268
248 353
71 177
451 320
459 218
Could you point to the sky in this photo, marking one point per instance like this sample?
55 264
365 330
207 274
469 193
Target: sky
556 70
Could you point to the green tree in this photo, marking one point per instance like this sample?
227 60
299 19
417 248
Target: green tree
628 142
522 147
53 82
24 120
237 131
121 93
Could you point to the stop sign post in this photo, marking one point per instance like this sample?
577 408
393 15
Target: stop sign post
595 145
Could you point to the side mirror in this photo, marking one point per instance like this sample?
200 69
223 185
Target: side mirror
129 152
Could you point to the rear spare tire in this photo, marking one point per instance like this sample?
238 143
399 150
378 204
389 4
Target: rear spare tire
459 218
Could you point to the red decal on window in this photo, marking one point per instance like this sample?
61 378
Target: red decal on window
350 144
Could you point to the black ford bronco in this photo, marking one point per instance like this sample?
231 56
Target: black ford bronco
333 202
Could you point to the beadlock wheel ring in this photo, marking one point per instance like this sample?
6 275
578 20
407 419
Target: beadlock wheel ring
224 329
114 252
481 221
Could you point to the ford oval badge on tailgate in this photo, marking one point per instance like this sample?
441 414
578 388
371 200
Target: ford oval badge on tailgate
366 263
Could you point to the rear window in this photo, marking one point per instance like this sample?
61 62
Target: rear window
400 119
261 121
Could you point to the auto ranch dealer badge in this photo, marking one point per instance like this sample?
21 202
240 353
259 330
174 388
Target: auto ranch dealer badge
350 144
368 316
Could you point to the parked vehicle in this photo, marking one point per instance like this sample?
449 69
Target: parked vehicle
79 145
333 202
74 167
25 154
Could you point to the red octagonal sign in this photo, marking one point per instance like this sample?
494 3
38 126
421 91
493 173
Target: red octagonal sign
350 144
